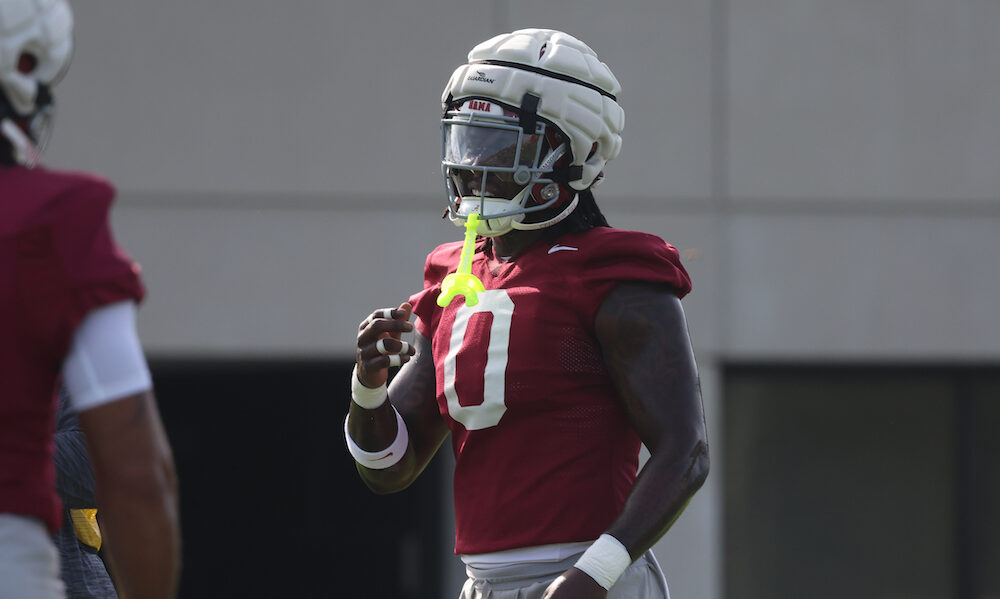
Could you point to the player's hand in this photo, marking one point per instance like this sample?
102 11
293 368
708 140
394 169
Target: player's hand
380 346
574 584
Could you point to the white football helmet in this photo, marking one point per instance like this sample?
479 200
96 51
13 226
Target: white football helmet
533 113
36 45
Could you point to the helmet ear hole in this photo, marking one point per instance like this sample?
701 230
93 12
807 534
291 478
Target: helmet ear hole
549 191
27 63
556 193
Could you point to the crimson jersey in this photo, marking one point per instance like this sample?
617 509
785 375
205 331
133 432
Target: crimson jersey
544 451
58 261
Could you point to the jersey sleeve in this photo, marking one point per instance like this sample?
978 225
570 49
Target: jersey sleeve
99 271
80 267
627 256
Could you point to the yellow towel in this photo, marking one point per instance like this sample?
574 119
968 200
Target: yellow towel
85 525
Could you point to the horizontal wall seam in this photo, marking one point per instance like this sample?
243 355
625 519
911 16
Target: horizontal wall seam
682 205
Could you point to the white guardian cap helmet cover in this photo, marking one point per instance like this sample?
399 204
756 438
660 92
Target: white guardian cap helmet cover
36 45
552 91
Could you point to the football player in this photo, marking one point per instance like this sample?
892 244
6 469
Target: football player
574 354
68 298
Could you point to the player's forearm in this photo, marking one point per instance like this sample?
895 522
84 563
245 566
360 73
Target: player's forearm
375 426
660 493
141 526
375 432
136 494
391 480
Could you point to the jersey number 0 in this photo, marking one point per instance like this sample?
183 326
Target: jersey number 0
491 410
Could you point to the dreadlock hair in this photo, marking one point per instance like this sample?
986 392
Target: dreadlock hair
585 217
6 153
6 148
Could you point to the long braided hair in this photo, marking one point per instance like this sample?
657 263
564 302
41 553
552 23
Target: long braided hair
585 217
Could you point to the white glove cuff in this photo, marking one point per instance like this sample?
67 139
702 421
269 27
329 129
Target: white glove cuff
605 560
366 397
380 460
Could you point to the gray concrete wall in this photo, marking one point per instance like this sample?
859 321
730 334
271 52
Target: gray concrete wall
829 168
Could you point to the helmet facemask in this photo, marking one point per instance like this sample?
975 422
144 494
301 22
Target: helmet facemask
501 168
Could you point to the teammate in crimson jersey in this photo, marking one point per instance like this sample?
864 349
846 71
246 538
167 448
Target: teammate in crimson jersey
573 354
68 297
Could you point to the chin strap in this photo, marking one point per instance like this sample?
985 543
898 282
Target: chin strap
25 152
555 219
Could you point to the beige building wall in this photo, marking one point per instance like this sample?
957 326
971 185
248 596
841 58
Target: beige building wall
830 170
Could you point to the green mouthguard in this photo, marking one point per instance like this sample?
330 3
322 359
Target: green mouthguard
462 281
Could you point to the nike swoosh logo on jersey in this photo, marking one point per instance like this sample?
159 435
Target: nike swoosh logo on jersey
556 248
388 455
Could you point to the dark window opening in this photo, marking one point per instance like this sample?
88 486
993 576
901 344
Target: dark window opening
271 504
868 482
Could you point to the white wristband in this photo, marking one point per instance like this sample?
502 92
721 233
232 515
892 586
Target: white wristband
380 460
605 560
366 397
